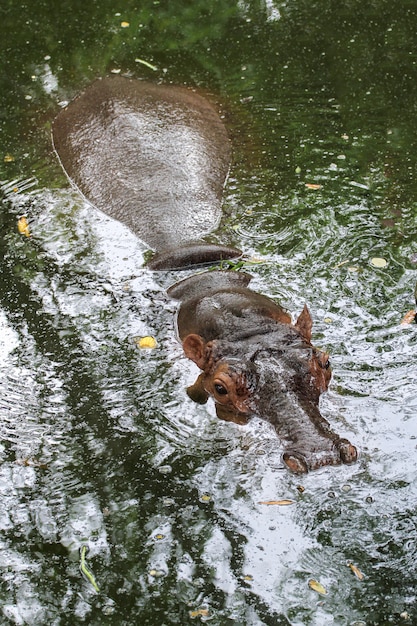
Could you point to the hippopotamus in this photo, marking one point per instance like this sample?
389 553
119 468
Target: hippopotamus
156 157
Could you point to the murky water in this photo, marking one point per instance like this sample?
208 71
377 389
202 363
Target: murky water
100 446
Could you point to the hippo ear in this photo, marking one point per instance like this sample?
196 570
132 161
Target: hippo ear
195 349
197 391
304 324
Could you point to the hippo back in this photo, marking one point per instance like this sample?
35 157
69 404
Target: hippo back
154 157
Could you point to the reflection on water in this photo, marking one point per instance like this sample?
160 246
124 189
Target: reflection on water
100 446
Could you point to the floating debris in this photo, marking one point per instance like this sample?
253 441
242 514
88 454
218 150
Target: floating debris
84 569
8 158
378 262
199 613
341 263
157 573
31 463
317 587
147 64
205 497
313 186
23 226
145 343
359 575
124 24
277 502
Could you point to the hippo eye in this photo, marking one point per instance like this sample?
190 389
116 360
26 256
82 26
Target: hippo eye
220 389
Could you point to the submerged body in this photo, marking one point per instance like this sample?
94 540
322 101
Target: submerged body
256 362
156 158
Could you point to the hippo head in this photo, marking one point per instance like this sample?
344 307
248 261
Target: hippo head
279 376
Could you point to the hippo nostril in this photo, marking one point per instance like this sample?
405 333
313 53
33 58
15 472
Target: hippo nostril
295 462
348 452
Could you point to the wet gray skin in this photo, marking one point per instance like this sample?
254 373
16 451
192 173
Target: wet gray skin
154 157
255 361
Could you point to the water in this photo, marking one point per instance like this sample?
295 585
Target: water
100 446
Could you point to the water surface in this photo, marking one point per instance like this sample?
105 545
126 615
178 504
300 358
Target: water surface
100 445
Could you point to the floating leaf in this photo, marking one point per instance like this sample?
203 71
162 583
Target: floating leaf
313 186
8 158
317 587
328 320
85 571
247 578
146 343
205 497
147 64
199 613
409 318
23 226
379 262
301 489
359 575
341 263
31 463
157 573
124 24
277 502
159 537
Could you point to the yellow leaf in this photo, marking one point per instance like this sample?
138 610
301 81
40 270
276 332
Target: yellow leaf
124 24
8 158
359 575
277 502
146 343
199 613
312 186
156 573
23 226
317 587
378 262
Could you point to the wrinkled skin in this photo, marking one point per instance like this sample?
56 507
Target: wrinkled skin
255 361
155 157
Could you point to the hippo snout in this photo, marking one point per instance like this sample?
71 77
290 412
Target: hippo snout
342 451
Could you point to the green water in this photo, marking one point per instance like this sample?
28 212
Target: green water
99 444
